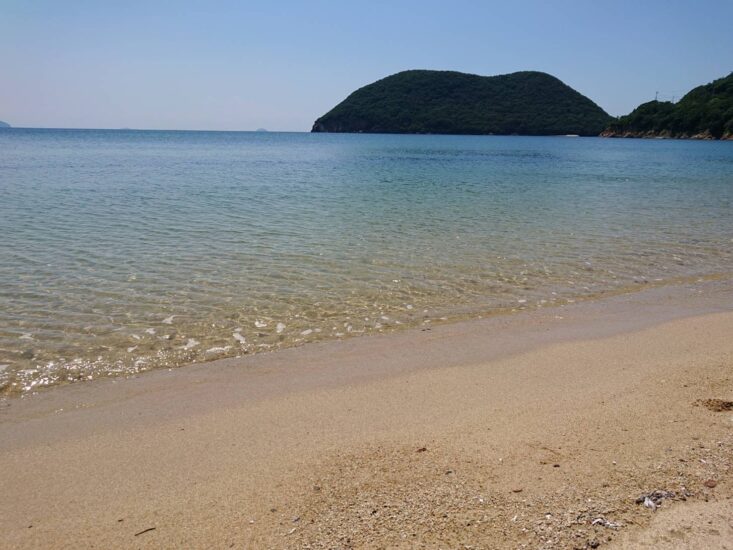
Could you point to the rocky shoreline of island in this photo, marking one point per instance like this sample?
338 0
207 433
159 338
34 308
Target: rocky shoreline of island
665 134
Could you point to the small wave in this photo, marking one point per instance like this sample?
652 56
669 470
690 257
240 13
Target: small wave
190 343
219 349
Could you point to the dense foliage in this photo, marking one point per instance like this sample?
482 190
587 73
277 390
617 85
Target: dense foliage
446 102
706 111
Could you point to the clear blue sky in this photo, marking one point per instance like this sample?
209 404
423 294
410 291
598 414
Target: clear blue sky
281 64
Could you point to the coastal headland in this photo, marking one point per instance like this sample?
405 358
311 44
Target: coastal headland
602 422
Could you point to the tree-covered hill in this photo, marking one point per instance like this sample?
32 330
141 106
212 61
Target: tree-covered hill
706 112
447 102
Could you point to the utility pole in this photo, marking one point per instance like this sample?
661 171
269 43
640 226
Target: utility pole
656 95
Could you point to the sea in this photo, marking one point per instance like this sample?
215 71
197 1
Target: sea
123 251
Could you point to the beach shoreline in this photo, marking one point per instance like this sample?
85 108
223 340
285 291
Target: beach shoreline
325 237
441 436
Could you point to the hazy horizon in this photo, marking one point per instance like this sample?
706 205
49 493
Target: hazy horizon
189 66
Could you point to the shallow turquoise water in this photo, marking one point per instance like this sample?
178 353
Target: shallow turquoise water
124 250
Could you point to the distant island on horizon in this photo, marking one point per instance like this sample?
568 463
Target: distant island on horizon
520 103
450 102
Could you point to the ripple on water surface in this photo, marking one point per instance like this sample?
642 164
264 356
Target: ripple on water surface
127 251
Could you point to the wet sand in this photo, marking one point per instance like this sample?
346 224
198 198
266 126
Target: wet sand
539 429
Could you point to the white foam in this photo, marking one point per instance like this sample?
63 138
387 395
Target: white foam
280 327
150 331
131 349
3 367
306 332
219 349
169 320
260 324
191 343
26 336
239 338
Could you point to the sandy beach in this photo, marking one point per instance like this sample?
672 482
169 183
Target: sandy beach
540 429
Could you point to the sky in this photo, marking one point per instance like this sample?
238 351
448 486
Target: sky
226 65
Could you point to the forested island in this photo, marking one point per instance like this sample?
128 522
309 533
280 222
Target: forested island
706 112
449 102
4 124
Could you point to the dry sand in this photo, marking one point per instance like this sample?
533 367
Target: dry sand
536 430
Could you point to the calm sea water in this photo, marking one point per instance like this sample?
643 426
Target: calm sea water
122 251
